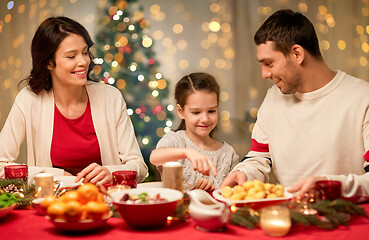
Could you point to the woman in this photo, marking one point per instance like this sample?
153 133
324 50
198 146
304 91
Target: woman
73 126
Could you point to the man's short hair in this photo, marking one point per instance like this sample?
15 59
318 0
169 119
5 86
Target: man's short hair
287 28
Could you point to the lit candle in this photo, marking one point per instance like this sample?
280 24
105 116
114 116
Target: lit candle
172 175
44 184
117 188
275 221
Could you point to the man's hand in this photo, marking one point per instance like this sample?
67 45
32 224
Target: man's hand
305 185
235 178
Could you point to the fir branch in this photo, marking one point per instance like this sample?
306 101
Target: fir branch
330 215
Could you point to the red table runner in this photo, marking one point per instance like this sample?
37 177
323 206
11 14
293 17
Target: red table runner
26 224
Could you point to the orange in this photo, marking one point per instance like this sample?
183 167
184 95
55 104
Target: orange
56 210
48 201
70 196
73 210
96 210
87 192
100 198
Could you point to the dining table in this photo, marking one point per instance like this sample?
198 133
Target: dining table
27 224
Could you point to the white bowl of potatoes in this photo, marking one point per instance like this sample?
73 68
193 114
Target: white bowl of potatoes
255 194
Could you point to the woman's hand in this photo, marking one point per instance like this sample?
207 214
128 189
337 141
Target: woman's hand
200 162
95 173
66 173
204 184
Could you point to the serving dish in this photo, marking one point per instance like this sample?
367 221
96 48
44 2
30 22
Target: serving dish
186 186
147 215
6 210
254 203
79 226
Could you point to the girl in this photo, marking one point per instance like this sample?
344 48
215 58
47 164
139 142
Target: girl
73 126
197 97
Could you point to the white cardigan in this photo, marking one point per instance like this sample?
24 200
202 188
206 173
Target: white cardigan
33 116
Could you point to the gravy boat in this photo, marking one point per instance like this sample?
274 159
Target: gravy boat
208 213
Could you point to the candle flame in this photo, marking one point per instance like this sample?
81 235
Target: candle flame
234 208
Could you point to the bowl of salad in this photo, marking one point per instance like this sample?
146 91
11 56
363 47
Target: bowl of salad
146 207
8 202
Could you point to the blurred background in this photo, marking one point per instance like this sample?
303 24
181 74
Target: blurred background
143 47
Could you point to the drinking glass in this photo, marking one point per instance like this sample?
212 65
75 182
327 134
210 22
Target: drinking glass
125 177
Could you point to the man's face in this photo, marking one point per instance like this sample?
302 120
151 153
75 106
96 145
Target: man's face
279 68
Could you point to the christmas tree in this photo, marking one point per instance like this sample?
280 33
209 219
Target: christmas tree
125 59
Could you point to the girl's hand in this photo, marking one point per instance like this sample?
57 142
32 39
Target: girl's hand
204 184
200 162
95 173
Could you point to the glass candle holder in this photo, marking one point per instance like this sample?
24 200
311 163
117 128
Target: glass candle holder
117 188
44 185
275 220
328 189
16 171
125 177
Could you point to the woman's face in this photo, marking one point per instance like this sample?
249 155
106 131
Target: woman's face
71 62
200 113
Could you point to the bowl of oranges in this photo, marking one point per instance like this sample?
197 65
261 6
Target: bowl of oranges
79 209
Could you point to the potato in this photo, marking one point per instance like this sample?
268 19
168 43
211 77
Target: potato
248 185
227 192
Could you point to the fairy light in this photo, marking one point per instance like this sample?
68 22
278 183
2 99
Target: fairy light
158 75
114 64
170 107
145 141
146 42
116 17
141 77
155 93
111 81
129 111
169 123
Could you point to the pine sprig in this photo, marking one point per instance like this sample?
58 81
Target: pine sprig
26 191
245 217
330 215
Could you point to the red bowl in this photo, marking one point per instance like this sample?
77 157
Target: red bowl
146 215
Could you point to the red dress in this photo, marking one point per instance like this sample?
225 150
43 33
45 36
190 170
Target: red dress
74 145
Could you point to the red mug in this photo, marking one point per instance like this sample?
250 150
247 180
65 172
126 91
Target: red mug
16 171
125 177
328 189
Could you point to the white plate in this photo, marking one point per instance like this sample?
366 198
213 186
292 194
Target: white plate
217 194
186 186
68 181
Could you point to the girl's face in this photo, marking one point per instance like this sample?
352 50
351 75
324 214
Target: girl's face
200 113
71 62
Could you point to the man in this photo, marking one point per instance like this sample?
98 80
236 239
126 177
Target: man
314 123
